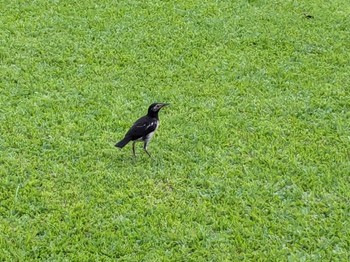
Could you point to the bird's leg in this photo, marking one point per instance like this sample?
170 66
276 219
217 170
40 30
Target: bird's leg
145 148
148 153
133 148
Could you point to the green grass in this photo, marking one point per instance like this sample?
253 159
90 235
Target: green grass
252 159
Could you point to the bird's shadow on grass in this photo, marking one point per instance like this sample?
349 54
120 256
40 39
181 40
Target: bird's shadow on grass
121 159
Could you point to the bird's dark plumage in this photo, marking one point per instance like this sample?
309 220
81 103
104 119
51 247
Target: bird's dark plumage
123 142
143 129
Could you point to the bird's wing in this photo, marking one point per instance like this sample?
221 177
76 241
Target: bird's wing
142 127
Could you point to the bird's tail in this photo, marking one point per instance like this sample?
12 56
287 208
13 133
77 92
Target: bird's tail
123 142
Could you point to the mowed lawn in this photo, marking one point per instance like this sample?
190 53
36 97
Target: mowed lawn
251 161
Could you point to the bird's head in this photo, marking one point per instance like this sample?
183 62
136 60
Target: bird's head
155 107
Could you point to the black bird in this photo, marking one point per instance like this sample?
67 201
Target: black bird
143 129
